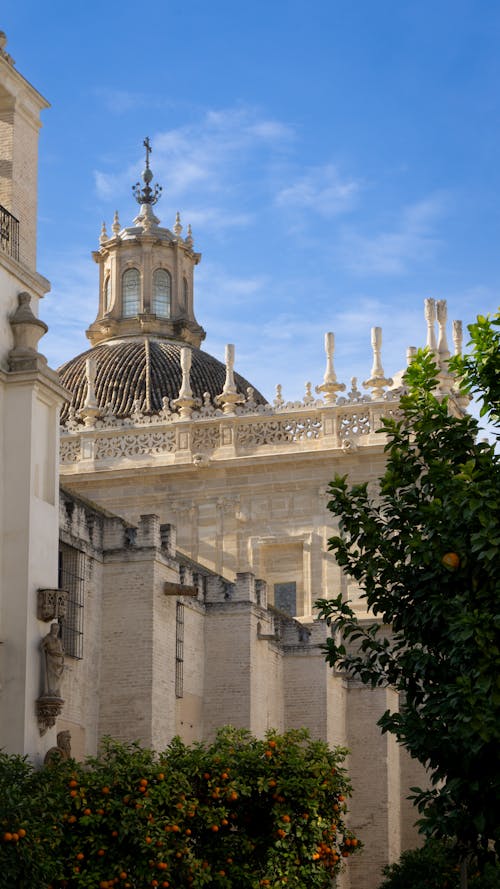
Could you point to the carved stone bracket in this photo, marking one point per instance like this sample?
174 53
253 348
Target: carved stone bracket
51 604
47 711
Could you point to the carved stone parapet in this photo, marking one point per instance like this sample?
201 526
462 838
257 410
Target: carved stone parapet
47 711
51 604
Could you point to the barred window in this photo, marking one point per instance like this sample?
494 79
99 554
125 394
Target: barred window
179 650
285 597
72 579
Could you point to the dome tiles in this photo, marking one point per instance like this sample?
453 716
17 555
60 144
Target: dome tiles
146 371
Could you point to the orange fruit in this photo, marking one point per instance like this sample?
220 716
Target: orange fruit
7 836
101 852
15 837
87 811
214 828
80 856
72 793
160 776
22 832
451 561
105 790
73 783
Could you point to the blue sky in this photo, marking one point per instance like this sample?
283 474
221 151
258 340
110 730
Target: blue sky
339 161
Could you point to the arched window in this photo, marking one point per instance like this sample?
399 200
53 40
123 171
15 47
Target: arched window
162 291
184 293
131 290
107 293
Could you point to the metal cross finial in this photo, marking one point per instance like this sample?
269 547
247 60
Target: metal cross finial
146 195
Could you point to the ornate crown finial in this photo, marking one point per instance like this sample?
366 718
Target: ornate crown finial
147 195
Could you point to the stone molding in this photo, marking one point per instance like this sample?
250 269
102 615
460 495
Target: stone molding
47 711
209 434
51 604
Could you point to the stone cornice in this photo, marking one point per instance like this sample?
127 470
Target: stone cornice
16 84
29 279
41 375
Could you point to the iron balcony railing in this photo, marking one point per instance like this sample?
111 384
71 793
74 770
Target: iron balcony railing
9 233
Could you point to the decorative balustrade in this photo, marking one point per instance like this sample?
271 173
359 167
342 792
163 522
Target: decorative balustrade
9 233
190 430
211 434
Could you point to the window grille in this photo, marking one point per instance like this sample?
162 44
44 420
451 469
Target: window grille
179 650
9 233
72 579
131 289
162 289
285 597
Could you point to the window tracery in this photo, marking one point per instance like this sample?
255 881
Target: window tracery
162 293
131 289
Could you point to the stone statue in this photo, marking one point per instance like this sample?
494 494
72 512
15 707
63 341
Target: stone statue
53 662
61 752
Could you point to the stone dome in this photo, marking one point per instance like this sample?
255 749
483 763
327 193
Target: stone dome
146 370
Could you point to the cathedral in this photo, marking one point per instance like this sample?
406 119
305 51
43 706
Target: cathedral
163 526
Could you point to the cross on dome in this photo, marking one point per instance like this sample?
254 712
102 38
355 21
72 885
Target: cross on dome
147 195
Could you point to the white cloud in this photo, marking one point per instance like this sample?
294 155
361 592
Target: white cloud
393 252
214 282
215 154
121 101
321 190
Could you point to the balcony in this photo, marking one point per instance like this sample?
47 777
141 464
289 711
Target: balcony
9 233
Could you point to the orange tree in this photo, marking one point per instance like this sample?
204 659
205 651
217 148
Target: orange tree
240 812
424 551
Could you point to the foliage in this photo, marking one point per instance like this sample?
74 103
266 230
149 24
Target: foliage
480 368
432 867
424 550
240 812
